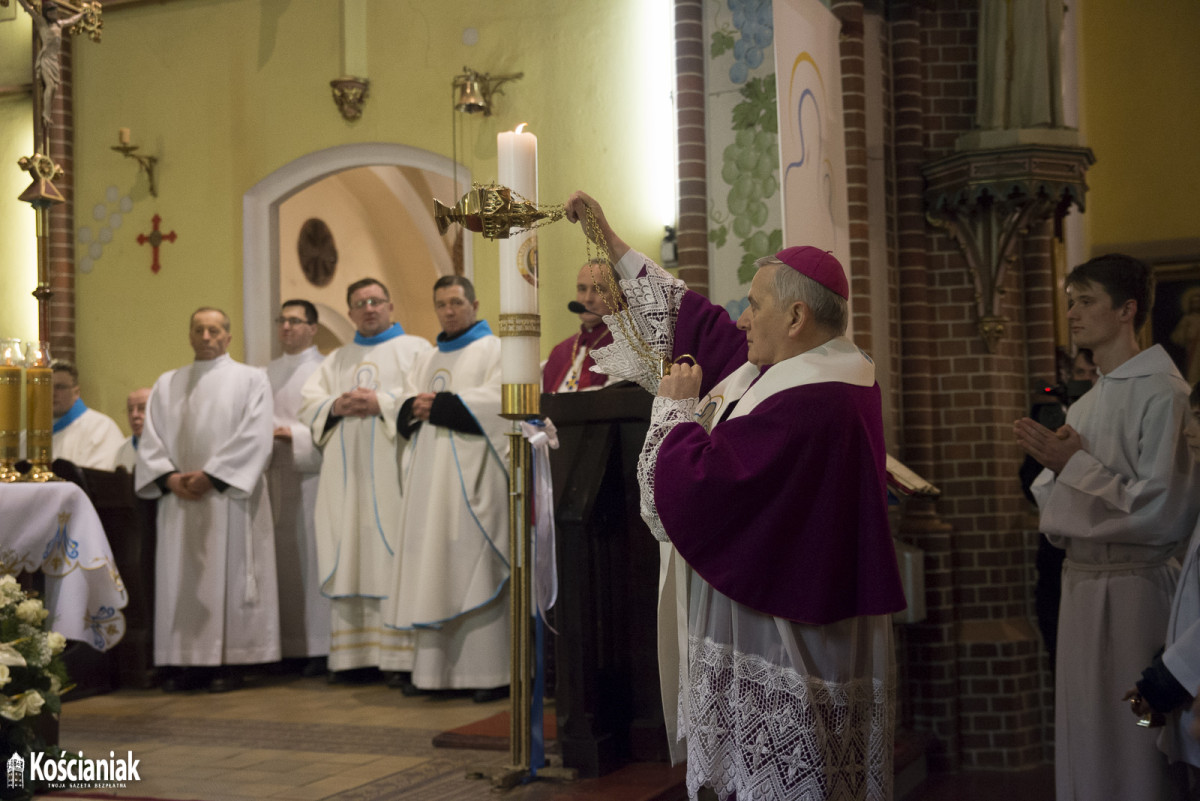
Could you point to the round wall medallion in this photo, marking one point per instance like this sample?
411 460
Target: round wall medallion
318 254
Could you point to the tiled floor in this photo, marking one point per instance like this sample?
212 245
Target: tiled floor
294 739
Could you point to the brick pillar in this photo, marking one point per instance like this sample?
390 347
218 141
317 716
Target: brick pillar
854 118
62 215
930 654
692 234
977 394
1039 305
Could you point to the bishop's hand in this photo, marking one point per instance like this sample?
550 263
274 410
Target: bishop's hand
577 207
682 383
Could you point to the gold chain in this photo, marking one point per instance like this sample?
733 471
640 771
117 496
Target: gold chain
592 233
553 211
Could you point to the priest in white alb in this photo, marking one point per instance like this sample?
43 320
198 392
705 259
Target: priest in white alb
452 586
84 436
203 454
292 479
351 404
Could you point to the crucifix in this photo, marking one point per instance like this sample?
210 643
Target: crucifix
155 238
49 24
50 18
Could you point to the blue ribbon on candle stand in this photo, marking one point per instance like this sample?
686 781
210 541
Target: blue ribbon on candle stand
537 748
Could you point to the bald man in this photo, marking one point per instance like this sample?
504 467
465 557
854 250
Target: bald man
135 410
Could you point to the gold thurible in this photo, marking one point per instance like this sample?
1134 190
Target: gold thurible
495 212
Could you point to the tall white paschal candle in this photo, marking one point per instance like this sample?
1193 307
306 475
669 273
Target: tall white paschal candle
519 353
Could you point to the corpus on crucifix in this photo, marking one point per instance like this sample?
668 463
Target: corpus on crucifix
49 26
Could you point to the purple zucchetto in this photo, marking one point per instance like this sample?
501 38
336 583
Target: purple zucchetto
819 265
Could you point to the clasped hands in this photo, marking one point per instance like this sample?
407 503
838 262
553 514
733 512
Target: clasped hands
1052 449
422 405
358 402
189 486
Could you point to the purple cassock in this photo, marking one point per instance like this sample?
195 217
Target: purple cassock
783 509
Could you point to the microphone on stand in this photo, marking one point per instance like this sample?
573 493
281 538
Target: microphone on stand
576 307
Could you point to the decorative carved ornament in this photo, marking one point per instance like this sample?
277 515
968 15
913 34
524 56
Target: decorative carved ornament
350 94
989 199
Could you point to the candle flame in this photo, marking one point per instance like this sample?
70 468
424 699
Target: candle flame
520 128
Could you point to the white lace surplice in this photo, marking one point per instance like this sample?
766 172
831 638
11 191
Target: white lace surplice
769 708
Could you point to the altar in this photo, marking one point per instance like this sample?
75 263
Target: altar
53 528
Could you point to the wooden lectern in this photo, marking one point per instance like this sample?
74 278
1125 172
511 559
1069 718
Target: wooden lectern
129 523
607 690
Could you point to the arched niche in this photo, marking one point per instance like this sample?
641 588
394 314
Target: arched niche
375 199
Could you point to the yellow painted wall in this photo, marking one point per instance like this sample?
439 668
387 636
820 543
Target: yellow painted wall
1140 114
226 91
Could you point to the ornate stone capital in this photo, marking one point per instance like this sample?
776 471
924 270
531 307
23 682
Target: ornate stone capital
989 198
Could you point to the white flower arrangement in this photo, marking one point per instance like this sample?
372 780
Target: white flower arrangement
32 675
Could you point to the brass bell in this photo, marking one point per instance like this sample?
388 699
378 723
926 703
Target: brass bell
470 94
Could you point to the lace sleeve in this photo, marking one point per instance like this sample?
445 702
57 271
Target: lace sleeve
654 300
664 416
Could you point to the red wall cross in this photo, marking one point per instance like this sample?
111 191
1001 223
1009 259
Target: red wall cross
155 238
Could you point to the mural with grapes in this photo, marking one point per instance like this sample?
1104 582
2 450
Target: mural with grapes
744 209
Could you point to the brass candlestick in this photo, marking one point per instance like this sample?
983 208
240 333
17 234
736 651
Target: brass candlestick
11 362
39 413
145 163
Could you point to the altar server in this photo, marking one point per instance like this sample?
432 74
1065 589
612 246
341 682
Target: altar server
292 479
351 404
1119 494
81 435
452 587
203 453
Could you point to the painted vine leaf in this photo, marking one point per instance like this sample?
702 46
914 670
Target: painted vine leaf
722 41
758 108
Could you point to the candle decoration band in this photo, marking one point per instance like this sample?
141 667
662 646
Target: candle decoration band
520 325
520 401
496 212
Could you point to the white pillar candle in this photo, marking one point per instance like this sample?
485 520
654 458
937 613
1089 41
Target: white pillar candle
517 170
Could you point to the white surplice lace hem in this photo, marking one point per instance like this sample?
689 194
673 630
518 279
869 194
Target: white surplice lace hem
665 414
768 732
653 308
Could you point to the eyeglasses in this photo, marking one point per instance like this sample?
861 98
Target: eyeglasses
372 302
292 321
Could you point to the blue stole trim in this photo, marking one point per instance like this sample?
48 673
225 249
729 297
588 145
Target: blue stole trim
74 413
135 442
382 336
479 330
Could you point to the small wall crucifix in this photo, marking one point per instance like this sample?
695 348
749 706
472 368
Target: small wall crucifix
155 238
